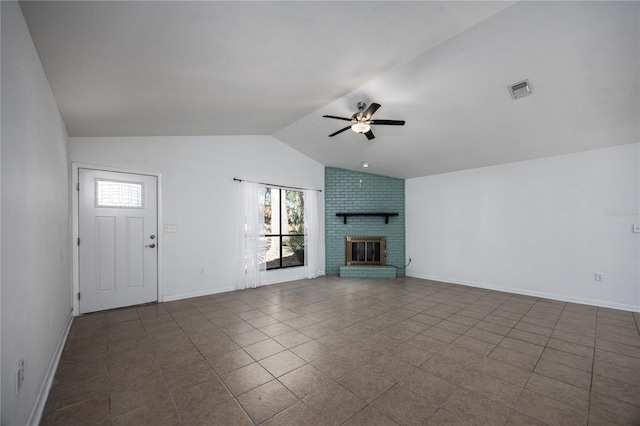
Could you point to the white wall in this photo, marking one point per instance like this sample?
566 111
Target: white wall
36 266
538 227
200 196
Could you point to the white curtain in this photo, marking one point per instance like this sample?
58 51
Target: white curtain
311 234
251 265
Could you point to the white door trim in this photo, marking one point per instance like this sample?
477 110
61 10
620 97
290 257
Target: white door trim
75 224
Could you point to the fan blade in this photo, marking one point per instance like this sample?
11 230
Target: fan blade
369 135
340 131
337 118
370 111
389 122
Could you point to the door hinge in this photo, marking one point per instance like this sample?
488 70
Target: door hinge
78 240
78 295
78 186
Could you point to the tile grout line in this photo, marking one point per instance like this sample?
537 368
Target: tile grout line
234 397
513 408
593 364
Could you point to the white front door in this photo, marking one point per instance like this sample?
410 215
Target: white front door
118 232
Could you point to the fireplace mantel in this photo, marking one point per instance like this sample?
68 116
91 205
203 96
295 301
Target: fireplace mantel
385 215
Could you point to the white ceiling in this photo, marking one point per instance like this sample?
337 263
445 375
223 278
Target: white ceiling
227 68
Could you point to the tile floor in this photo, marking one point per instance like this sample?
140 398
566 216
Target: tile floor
336 351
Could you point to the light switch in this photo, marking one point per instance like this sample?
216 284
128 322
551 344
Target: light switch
636 227
171 228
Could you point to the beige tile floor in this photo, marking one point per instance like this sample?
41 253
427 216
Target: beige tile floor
336 351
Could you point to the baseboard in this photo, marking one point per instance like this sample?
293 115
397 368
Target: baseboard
38 409
285 279
209 292
553 296
201 293
299 277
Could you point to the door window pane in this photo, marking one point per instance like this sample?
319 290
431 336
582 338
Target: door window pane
115 193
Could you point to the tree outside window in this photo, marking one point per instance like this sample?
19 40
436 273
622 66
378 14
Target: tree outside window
284 228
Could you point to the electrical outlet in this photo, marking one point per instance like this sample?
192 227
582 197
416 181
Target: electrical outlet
19 375
598 277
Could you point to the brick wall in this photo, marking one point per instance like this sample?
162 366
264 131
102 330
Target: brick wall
348 191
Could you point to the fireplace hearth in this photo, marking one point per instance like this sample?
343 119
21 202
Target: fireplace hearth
366 251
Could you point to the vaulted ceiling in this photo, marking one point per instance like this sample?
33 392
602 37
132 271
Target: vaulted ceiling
235 68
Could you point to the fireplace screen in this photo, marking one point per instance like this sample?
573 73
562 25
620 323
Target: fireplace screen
366 251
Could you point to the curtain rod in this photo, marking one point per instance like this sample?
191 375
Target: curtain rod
280 186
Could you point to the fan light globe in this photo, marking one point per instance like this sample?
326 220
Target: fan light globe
361 127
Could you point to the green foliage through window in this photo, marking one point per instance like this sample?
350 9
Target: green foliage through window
284 228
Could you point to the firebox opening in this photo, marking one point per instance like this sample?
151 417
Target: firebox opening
366 251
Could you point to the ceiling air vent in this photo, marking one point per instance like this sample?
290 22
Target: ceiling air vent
520 90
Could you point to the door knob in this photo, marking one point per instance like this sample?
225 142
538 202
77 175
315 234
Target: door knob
151 245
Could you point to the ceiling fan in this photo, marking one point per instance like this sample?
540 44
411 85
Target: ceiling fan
362 122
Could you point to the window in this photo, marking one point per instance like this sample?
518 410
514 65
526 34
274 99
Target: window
284 228
117 193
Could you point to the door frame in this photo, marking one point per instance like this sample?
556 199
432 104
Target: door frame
75 226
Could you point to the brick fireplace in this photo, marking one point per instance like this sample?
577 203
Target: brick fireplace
364 197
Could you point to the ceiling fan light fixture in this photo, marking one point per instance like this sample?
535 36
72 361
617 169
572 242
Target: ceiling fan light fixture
361 127
361 121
